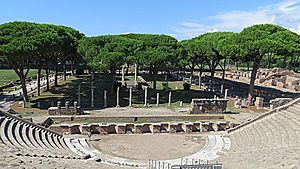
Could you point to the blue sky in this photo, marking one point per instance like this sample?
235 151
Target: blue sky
180 18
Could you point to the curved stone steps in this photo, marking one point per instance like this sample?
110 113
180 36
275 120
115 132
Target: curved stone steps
4 132
18 134
251 134
294 110
234 142
271 133
291 130
73 148
30 136
293 117
256 129
240 140
46 139
246 136
62 142
265 135
277 138
53 141
1 120
282 129
292 122
82 149
257 135
12 133
36 137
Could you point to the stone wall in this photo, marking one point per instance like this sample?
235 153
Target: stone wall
277 77
279 102
135 119
131 128
209 106
64 111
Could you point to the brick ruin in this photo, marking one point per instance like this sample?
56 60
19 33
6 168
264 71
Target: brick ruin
209 106
277 77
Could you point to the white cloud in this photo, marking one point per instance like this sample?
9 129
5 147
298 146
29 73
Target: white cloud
297 30
285 13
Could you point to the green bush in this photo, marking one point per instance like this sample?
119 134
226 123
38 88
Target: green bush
186 86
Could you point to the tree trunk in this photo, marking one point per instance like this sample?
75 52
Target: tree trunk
47 77
155 71
223 75
269 60
248 66
39 80
237 65
24 89
127 69
252 80
295 61
56 73
192 72
72 68
65 71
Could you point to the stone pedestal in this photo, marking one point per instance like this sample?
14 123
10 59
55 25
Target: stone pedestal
105 98
118 97
259 102
130 97
121 129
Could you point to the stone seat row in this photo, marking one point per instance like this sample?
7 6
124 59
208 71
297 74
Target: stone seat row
128 128
280 129
15 134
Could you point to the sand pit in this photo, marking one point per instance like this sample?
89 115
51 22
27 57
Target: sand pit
150 146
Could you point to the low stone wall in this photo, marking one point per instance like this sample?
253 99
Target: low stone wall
209 106
279 102
135 119
64 111
131 128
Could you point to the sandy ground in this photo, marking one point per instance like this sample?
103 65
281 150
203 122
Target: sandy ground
150 146
139 111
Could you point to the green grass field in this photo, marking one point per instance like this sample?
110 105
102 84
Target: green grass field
8 75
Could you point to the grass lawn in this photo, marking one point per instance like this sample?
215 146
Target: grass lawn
67 91
8 75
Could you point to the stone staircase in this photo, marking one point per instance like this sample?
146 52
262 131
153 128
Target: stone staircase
274 135
29 139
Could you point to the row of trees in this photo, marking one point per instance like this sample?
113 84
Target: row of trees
25 45
161 52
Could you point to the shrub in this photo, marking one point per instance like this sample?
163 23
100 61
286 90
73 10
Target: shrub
186 86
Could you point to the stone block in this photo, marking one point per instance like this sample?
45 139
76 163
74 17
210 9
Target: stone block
74 129
121 128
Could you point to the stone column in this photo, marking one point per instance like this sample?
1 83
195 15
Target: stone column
130 97
222 88
135 74
92 96
146 96
75 105
123 76
259 102
105 98
199 79
78 100
157 99
118 95
226 93
67 104
58 104
170 95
